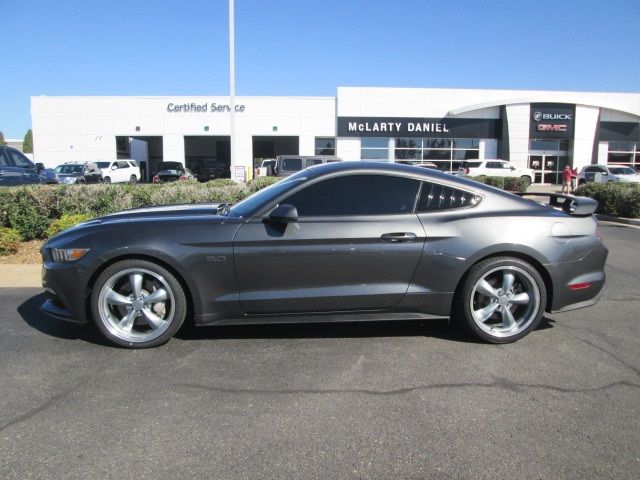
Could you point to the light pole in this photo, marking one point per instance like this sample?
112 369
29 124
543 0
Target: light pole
232 89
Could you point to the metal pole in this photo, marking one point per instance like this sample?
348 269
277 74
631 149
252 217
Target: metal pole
232 88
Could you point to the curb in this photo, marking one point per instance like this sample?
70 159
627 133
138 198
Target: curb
26 275
625 221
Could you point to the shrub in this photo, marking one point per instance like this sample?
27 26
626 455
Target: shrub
9 241
617 199
261 182
66 221
28 211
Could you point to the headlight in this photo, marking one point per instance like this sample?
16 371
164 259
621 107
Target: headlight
65 255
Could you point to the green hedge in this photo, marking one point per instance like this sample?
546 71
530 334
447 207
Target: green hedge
9 241
617 199
511 184
32 210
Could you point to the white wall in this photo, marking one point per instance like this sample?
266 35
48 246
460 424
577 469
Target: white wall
585 126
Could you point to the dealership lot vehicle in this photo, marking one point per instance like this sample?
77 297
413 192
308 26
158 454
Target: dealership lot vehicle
608 173
322 245
119 171
286 165
78 172
495 168
17 169
171 172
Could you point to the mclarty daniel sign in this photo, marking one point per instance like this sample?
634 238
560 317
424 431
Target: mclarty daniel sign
417 127
205 107
550 120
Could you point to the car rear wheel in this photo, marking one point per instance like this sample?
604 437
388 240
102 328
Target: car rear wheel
133 180
138 304
526 180
501 300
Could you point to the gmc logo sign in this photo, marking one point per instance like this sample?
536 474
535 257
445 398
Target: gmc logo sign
552 128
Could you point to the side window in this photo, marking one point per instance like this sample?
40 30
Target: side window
292 164
440 197
123 165
494 165
19 160
357 195
313 161
4 161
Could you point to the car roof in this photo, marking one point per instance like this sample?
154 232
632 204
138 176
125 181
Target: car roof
400 168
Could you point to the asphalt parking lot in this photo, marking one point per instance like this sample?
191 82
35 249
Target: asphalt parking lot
385 400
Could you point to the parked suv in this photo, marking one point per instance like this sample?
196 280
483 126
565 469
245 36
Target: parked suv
286 165
119 171
495 168
16 169
78 172
608 173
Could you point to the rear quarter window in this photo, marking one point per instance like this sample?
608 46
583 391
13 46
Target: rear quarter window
435 197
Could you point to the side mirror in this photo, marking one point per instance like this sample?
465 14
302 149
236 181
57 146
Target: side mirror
114 167
39 167
284 214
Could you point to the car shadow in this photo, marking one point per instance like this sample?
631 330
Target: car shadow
436 328
30 312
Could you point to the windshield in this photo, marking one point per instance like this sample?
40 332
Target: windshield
622 171
261 197
69 169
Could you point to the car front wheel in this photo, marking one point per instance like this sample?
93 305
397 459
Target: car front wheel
133 180
138 304
106 179
501 300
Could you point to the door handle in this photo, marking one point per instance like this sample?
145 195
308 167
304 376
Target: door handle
398 237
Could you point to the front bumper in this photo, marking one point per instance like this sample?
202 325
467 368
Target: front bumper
66 290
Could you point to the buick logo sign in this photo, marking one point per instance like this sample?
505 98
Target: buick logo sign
537 116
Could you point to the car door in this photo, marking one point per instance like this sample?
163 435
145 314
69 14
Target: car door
355 245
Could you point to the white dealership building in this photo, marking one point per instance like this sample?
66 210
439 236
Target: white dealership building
543 130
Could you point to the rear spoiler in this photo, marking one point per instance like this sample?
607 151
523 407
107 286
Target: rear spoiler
579 206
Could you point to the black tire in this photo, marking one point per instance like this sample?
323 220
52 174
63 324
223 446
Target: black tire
106 180
146 319
526 179
510 313
133 180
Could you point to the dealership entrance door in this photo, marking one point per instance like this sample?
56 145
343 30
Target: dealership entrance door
548 158
269 147
208 157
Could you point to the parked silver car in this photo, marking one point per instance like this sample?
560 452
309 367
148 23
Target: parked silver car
608 173
345 241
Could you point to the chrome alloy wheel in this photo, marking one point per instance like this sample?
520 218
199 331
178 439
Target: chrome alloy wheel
136 305
505 301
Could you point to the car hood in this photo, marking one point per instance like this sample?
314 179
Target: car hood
166 211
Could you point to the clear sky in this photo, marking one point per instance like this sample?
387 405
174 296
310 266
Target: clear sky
310 47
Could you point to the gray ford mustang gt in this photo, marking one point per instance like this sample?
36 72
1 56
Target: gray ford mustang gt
344 241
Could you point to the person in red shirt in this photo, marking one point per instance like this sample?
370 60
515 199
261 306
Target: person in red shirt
566 180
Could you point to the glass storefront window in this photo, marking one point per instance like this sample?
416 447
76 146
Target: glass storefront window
374 142
618 157
621 146
437 142
408 143
466 154
325 146
466 143
406 154
549 145
374 154
436 154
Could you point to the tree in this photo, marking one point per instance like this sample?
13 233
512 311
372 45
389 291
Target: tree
2 140
27 144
